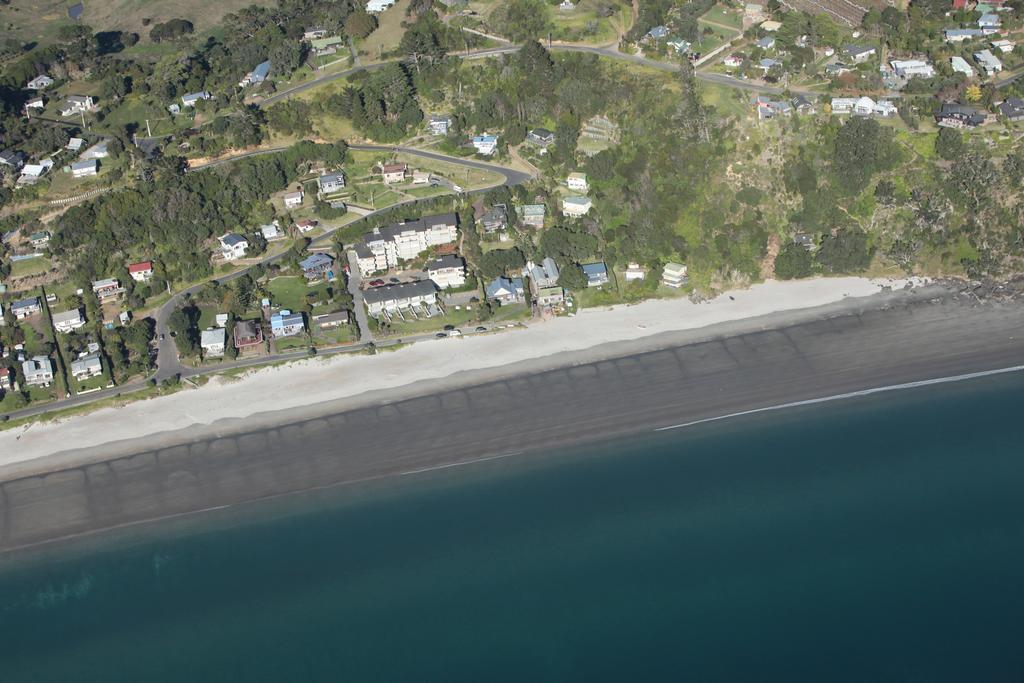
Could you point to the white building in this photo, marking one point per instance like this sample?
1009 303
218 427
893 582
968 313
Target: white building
87 366
576 206
40 83
232 246
385 247
577 181
911 68
293 200
674 275
212 342
447 271
989 63
862 106
1004 46
68 321
82 169
190 99
635 272
38 371
378 6
485 144
960 66
76 104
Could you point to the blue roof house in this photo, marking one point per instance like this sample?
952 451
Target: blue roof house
597 273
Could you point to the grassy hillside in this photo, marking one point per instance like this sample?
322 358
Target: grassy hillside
39 20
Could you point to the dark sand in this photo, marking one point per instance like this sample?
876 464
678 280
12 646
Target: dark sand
911 338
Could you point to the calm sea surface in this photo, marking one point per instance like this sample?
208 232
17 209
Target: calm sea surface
878 539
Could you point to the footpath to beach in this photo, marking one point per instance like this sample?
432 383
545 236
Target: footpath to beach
603 374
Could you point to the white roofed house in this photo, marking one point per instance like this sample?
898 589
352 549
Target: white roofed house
576 206
378 6
76 104
108 289
1004 46
271 231
212 342
232 246
41 82
68 321
859 54
192 98
960 65
988 62
293 200
37 102
87 366
439 124
38 371
485 144
31 173
287 324
912 68
447 271
674 275
83 169
634 271
577 181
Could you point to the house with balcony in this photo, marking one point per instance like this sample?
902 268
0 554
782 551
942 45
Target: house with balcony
68 321
386 247
287 324
447 271
38 371
232 246
107 289
141 271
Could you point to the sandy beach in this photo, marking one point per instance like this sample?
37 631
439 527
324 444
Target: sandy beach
318 381
602 375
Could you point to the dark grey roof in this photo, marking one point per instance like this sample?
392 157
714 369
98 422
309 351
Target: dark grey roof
960 112
316 261
446 261
378 295
420 224
231 239
1012 107
25 303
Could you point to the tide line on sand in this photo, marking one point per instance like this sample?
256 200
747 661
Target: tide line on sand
848 395
303 384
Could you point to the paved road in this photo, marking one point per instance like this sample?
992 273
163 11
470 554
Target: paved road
354 281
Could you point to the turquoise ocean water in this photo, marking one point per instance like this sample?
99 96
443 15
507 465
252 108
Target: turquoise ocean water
877 539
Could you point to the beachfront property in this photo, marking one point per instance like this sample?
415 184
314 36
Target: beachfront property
393 173
25 308
87 366
596 273
41 82
318 266
576 206
192 98
293 200
77 104
506 291
329 321
141 271
577 182
212 341
330 183
386 247
448 271
232 246
988 62
38 371
83 169
485 144
68 321
635 272
256 76
960 65
248 336
532 215
862 106
439 124
287 324
805 240
548 296
107 289
417 298
674 275
912 68
544 274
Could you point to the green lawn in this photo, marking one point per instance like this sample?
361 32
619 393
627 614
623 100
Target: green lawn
453 317
388 34
718 36
510 313
583 24
335 336
288 292
32 266
720 14
297 342
98 382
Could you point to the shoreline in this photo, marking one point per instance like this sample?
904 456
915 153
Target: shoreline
304 387
610 391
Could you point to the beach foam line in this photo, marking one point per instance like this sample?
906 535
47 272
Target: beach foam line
852 394
473 461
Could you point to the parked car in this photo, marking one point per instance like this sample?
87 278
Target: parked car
376 283
481 329
449 328
441 335
394 280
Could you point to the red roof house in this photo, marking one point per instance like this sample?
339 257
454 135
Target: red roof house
141 271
